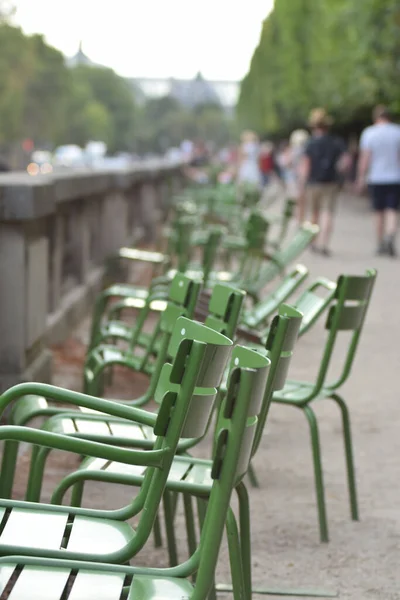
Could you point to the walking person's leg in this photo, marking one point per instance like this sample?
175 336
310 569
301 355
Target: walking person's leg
392 202
377 195
329 204
313 199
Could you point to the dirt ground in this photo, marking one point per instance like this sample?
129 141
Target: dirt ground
361 560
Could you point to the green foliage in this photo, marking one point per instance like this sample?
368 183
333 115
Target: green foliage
44 100
340 54
41 99
109 105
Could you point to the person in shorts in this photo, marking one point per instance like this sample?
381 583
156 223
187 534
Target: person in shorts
323 160
379 166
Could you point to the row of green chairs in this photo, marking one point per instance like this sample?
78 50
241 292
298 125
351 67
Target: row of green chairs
188 397
187 366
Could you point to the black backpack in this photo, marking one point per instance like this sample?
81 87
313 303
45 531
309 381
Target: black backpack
324 153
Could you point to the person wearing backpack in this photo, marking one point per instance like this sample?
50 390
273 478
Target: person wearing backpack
324 161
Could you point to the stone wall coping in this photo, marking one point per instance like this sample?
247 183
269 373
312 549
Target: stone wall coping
24 197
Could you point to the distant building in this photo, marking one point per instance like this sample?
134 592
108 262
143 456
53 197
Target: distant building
189 92
79 59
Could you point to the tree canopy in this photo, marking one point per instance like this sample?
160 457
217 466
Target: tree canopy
340 54
44 100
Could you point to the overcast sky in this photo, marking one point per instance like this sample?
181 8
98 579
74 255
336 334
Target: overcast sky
153 38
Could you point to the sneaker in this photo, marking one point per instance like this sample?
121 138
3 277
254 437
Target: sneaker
326 252
382 249
391 250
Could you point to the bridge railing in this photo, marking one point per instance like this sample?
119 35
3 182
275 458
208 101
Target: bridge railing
55 235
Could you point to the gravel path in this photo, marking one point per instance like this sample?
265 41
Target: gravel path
361 560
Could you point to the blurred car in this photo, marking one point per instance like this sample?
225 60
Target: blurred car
69 156
41 162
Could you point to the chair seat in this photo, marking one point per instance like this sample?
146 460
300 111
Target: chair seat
182 471
100 428
116 329
45 530
108 355
299 393
48 583
111 354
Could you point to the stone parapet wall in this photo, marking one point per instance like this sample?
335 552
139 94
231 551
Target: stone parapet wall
56 233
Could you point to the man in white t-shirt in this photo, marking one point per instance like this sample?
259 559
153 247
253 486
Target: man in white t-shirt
379 166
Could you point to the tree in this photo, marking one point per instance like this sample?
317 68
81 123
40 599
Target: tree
46 93
341 54
16 63
106 88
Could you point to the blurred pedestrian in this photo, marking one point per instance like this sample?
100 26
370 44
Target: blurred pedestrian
379 166
248 160
266 162
324 159
292 175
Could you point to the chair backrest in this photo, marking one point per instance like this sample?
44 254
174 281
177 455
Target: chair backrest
187 389
210 251
279 348
184 228
347 313
181 301
256 233
223 315
224 309
281 259
236 429
315 299
301 240
260 313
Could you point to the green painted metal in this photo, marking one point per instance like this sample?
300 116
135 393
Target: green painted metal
347 313
104 535
258 316
225 306
191 476
235 437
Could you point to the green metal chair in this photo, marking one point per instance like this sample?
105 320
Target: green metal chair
259 314
191 476
347 314
183 296
127 296
38 576
312 303
188 388
283 221
276 263
224 310
140 347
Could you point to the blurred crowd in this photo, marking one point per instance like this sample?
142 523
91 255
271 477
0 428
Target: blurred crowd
313 166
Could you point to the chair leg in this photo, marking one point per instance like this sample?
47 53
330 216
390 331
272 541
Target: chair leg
318 474
77 493
245 536
201 509
253 477
190 528
157 532
348 450
169 527
240 592
36 473
8 466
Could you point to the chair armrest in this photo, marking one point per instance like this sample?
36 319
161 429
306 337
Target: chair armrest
57 394
80 446
142 255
